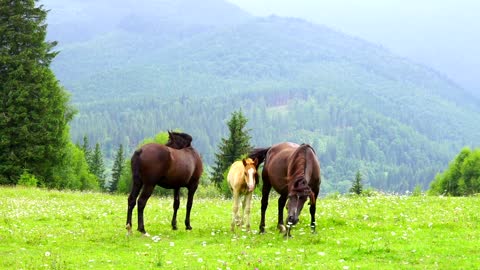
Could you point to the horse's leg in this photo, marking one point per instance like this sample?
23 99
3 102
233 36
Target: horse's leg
176 205
191 192
265 192
132 198
142 201
235 216
242 215
281 205
247 202
313 207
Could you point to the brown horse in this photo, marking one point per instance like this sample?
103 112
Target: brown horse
241 179
174 165
294 172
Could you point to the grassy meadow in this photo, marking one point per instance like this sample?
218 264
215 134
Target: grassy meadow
46 229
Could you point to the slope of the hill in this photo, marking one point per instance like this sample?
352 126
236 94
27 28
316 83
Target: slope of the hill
362 107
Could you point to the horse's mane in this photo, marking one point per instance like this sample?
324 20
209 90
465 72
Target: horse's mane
179 140
259 154
297 184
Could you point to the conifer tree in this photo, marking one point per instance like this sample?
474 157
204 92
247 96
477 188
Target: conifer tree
34 110
357 186
86 150
231 148
98 167
118 166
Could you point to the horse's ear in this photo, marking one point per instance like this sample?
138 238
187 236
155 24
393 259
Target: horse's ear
255 162
244 161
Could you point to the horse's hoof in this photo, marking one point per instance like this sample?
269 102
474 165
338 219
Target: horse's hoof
189 228
282 228
146 234
129 229
174 228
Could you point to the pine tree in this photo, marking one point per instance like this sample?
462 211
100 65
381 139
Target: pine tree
98 167
86 150
118 166
357 187
231 148
34 110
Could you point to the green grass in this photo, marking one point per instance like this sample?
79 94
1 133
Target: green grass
42 229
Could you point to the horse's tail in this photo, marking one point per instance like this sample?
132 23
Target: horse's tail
135 164
259 153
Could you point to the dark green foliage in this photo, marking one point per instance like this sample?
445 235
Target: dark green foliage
34 110
231 148
357 186
86 150
462 177
73 171
356 103
117 170
224 187
97 166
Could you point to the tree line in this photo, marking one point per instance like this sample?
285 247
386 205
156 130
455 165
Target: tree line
35 119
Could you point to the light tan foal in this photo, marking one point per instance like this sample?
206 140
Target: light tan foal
241 179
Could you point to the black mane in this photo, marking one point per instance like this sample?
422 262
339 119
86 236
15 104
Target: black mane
179 140
297 182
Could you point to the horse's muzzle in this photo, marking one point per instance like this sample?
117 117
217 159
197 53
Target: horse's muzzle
291 220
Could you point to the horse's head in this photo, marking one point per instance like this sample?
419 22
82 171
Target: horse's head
297 196
250 172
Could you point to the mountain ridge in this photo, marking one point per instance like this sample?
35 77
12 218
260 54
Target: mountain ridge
365 108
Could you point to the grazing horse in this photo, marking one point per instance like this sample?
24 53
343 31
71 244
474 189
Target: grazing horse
174 165
241 179
294 172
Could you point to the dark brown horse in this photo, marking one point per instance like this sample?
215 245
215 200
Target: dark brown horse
294 172
174 165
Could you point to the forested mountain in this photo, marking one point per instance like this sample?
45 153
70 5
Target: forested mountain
189 64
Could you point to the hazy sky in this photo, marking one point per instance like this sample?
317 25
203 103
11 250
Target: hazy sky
444 34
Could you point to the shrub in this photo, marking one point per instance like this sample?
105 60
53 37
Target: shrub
224 187
27 180
417 191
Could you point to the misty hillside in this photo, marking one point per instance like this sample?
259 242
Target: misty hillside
178 64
